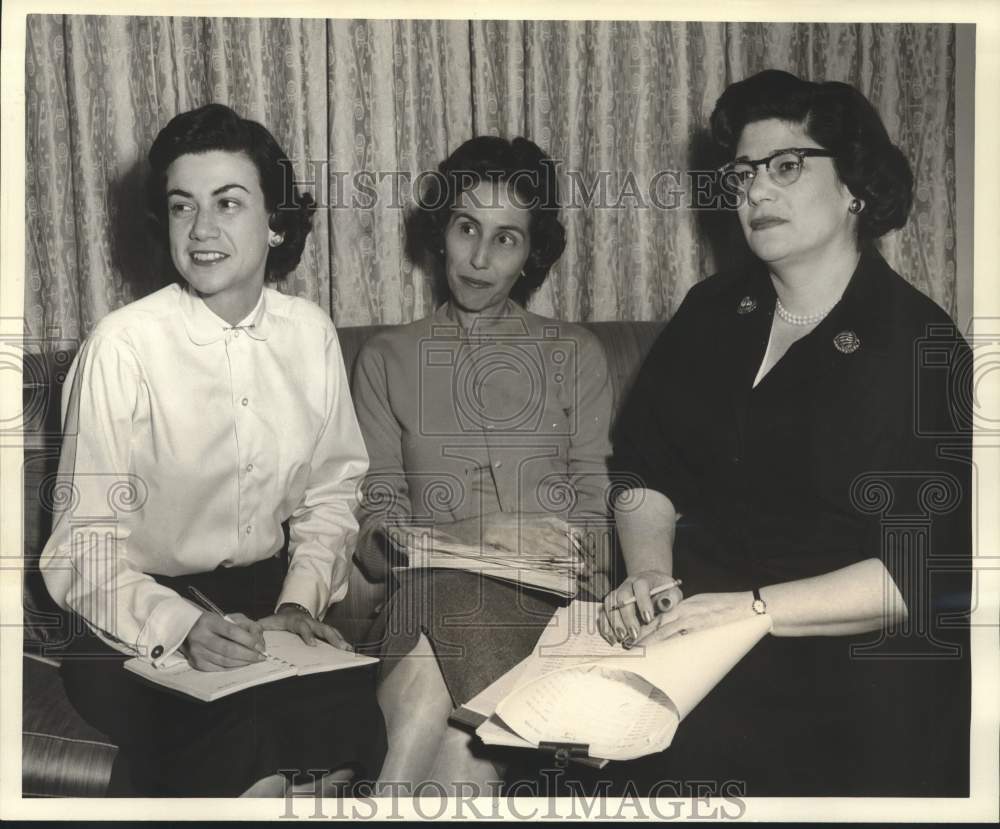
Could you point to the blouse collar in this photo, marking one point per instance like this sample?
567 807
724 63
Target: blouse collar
204 326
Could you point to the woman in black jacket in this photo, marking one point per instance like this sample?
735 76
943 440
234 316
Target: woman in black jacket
798 447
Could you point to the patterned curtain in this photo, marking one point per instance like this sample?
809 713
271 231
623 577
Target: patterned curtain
362 107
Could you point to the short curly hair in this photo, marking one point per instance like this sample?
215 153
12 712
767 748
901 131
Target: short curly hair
521 164
840 119
217 127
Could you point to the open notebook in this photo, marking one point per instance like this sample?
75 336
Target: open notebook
289 656
576 689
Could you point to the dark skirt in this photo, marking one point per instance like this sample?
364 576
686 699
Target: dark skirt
479 627
173 745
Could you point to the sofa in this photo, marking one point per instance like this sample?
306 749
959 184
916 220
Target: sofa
62 755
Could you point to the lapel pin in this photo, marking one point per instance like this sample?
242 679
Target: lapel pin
747 305
847 342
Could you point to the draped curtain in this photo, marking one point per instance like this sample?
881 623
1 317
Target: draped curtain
363 107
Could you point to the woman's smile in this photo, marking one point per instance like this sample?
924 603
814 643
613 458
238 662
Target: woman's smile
219 229
208 258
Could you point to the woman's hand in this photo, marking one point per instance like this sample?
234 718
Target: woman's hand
620 622
706 610
217 644
296 620
529 534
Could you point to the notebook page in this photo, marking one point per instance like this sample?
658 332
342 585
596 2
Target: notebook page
212 685
310 659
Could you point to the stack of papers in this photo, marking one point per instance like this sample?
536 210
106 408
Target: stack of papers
577 689
426 549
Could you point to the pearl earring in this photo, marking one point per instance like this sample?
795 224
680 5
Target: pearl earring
856 206
276 240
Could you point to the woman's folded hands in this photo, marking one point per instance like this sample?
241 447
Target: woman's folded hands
631 616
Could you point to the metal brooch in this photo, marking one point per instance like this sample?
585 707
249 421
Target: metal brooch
747 305
847 342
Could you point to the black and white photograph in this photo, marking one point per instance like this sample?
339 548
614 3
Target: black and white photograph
458 417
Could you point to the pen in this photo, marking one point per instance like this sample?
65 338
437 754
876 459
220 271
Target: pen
654 592
212 607
208 604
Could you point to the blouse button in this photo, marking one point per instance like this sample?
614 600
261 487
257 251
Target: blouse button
236 334
249 529
249 467
245 401
157 652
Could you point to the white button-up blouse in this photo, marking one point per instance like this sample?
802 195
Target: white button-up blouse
187 443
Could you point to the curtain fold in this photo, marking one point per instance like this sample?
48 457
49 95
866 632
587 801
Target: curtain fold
363 107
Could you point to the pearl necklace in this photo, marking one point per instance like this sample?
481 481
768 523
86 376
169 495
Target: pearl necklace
801 319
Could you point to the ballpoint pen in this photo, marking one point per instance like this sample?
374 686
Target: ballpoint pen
208 604
212 607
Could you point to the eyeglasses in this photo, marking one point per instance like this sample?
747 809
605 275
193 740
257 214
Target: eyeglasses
784 167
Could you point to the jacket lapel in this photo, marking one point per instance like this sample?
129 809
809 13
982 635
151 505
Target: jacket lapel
856 326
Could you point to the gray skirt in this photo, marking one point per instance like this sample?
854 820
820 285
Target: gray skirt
479 627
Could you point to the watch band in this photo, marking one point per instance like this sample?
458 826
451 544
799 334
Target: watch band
297 605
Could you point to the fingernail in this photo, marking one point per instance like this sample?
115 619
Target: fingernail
628 643
647 617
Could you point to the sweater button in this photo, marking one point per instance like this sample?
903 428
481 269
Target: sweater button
157 652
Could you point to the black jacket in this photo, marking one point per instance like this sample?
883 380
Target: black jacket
855 445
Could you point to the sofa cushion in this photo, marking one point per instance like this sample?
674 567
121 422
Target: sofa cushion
61 754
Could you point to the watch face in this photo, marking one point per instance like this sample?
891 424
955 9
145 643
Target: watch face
759 607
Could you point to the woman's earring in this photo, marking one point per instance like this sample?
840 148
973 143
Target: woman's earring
276 240
856 206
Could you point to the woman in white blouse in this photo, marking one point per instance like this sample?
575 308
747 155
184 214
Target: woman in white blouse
197 422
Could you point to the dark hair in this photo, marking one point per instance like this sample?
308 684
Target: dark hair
840 119
217 127
527 169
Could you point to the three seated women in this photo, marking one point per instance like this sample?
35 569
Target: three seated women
775 395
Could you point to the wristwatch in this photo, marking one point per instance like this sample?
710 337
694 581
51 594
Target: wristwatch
297 606
759 606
